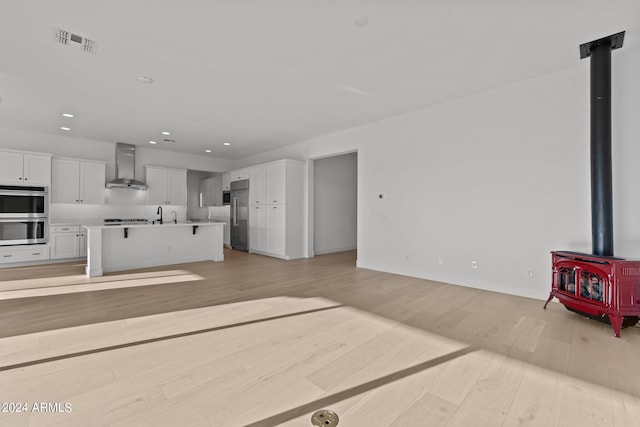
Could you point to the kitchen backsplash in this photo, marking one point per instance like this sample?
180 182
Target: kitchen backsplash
119 203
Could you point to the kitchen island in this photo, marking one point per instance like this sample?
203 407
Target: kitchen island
129 246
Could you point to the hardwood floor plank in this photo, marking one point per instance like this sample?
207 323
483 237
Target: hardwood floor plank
259 340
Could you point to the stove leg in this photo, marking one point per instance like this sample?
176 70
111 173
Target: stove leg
548 300
616 322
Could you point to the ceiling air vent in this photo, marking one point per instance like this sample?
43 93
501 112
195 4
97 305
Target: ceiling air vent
69 39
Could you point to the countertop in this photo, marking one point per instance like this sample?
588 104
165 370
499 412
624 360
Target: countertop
156 225
100 222
72 221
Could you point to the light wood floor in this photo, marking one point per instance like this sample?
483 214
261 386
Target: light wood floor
259 341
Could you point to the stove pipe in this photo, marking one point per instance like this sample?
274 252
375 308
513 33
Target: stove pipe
601 169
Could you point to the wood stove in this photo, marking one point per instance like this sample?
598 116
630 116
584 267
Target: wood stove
599 286
603 288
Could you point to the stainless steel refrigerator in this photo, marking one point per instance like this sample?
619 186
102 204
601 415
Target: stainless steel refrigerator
240 215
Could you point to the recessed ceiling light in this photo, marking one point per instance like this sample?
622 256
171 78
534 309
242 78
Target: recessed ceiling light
145 79
207 151
67 115
152 142
227 143
64 128
164 132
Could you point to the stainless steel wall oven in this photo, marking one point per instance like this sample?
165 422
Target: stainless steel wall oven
27 231
23 202
23 215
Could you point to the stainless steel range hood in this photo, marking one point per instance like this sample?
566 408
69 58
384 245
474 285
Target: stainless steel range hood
126 168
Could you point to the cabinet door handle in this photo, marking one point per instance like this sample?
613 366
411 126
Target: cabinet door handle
7 256
20 178
26 179
36 253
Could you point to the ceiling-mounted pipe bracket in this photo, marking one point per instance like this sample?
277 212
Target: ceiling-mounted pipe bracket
615 40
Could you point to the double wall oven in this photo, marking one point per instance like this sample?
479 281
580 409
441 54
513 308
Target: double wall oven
23 215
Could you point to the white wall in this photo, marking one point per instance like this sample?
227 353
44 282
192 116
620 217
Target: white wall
500 178
335 203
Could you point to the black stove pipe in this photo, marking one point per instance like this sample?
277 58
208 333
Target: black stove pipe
601 164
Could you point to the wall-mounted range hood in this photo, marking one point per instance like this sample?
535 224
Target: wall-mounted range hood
126 168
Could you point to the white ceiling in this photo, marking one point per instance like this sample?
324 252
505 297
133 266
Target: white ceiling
261 74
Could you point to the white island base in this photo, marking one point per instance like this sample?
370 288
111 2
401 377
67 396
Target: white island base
126 247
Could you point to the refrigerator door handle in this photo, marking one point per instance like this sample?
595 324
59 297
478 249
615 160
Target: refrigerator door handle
235 211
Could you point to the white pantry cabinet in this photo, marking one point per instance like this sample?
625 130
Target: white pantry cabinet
276 211
25 168
166 186
68 241
77 181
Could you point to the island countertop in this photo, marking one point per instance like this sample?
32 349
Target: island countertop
156 225
129 246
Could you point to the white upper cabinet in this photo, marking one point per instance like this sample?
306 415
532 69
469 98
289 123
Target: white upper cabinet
276 184
226 182
166 186
258 185
267 184
238 175
25 168
77 181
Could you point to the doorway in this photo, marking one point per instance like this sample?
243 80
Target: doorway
335 203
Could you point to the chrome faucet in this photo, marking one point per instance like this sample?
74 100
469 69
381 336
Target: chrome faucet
159 212
174 215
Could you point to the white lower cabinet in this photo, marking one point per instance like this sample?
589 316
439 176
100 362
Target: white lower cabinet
227 234
68 241
257 229
276 229
24 253
268 230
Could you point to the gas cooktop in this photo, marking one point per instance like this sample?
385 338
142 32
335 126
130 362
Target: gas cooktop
120 221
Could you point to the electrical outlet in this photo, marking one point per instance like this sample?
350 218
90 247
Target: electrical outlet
474 265
440 261
530 273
